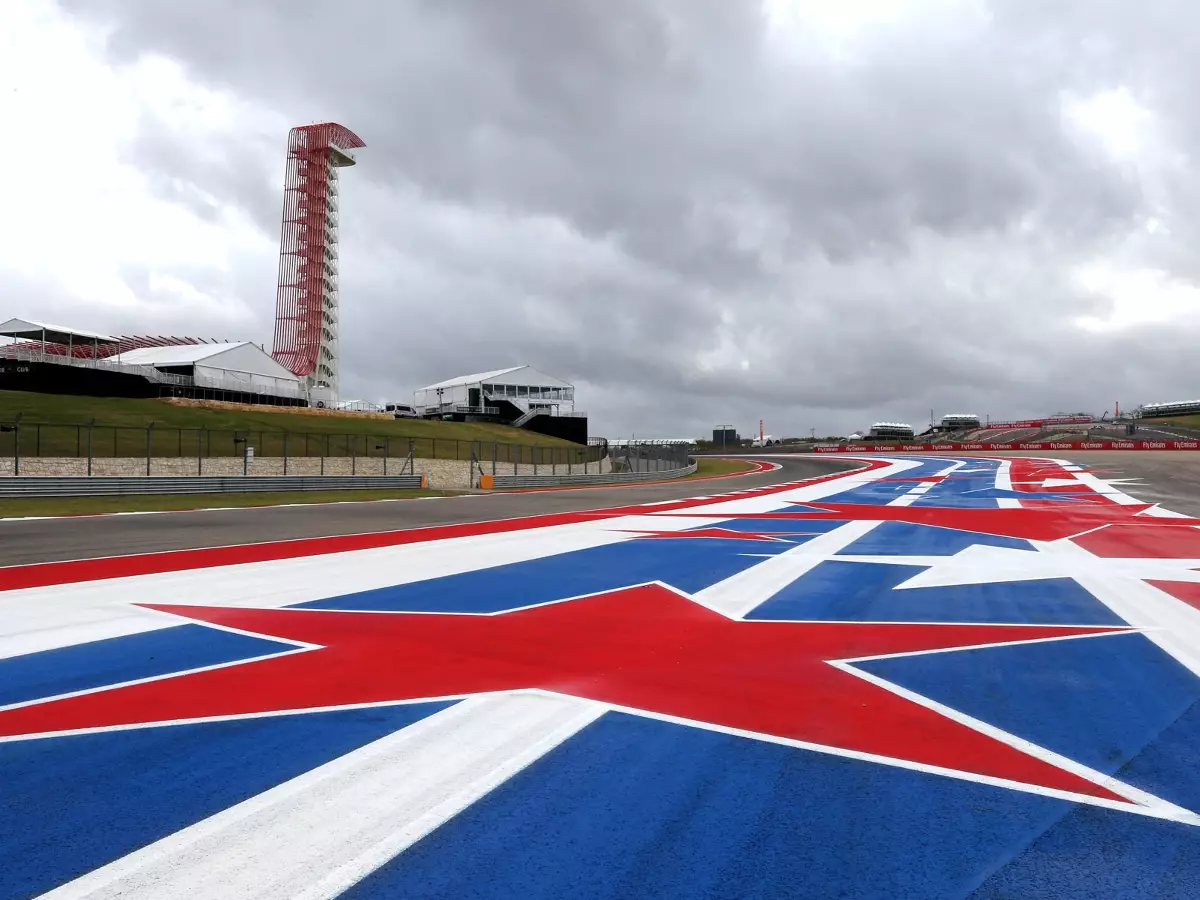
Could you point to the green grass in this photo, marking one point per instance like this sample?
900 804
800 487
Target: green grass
1183 421
121 431
709 466
69 506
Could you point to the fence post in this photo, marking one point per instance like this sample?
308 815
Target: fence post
17 445
149 429
354 455
91 425
570 454
285 449
553 460
494 449
516 455
534 453
200 451
386 444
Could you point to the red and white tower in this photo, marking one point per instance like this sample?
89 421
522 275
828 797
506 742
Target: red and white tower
306 304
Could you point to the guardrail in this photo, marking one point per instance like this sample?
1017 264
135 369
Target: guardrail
499 482
1035 445
117 486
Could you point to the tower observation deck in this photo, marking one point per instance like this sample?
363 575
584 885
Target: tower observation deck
306 302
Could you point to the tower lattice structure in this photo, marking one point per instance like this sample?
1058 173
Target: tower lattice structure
306 304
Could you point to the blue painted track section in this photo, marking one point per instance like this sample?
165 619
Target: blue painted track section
114 792
636 806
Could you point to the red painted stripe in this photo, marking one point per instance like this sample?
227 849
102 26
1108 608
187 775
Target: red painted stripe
74 571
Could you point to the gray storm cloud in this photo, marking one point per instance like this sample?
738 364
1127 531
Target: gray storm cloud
698 221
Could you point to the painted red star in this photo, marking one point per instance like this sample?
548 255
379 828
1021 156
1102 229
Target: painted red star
644 649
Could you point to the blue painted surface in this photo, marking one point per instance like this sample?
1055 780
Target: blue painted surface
794 528
911 539
1097 853
840 591
1097 700
71 804
689 564
127 658
986 499
635 808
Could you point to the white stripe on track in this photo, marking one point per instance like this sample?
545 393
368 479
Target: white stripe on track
314 836
738 595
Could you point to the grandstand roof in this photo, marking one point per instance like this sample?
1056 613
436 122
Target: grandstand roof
57 334
1173 403
891 425
503 376
177 355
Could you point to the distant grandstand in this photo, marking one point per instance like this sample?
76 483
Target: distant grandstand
52 359
959 421
521 396
1164 410
892 430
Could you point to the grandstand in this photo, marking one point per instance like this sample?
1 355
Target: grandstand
891 430
53 359
959 421
520 396
1165 410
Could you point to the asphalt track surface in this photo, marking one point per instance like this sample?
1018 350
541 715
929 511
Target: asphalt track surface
89 537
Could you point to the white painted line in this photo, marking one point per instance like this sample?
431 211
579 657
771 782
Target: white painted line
741 593
1004 475
383 797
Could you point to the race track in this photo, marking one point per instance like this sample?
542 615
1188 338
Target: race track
923 678
89 536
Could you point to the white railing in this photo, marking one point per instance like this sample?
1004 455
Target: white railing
35 353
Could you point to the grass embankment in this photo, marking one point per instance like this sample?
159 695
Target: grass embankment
707 467
120 430
72 506
1167 421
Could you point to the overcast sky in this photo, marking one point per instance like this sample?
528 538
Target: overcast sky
699 211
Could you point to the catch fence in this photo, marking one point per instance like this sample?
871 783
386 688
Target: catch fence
41 440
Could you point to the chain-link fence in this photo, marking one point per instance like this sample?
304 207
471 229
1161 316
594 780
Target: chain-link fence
45 440
650 456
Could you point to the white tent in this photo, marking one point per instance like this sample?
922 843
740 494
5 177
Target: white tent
241 366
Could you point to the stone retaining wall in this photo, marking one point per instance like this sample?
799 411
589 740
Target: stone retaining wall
442 473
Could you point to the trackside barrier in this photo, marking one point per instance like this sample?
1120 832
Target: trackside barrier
498 482
977 447
1039 423
116 486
